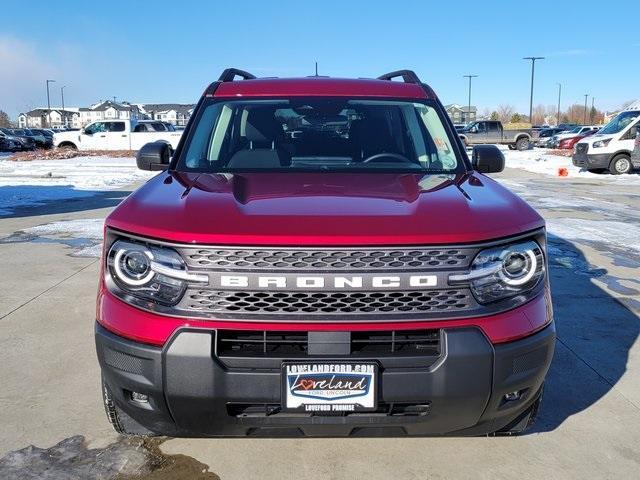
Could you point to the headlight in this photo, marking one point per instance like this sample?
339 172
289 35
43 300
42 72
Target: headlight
506 271
601 143
148 272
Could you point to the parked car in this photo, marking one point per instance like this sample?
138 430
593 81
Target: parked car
28 142
410 281
579 130
42 140
545 135
569 142
153 126
492 132
610 148
113 135
567 126
9 143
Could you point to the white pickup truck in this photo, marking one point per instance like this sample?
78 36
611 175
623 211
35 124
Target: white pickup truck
113 135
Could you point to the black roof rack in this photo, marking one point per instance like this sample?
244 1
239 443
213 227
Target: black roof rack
408 76
230 74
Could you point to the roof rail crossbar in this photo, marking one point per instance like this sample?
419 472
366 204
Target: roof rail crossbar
408 76
230 74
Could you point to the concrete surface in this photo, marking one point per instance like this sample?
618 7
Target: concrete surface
589 425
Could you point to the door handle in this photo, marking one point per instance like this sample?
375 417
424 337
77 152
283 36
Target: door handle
102 136
124 136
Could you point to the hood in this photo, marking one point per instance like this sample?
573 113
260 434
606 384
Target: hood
323 209
596 137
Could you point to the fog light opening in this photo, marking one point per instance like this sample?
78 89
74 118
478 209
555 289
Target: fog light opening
139 397
512 396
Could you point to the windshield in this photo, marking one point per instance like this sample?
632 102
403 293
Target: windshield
575 130
319 134
619 123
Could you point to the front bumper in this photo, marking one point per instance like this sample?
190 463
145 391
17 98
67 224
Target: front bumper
194 392
591 161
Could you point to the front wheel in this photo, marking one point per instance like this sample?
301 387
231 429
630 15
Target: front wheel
523 144
620 164
511 147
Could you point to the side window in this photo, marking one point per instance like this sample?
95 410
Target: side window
631 133
141 127
115 126
482 127
97 127
493 127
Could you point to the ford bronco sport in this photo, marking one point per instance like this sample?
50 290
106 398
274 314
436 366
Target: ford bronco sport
320 257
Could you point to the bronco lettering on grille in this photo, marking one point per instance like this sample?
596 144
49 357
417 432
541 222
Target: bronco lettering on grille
324 281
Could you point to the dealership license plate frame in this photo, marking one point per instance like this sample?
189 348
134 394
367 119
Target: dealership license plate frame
371 397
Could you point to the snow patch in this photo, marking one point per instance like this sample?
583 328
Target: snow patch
538 161
90 228
33 183
622 234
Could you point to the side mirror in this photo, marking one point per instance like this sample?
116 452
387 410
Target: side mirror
487 159
154 156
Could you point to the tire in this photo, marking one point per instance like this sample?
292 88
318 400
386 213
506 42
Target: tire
68 146
119 420
511 147
524 421
523 143
620 164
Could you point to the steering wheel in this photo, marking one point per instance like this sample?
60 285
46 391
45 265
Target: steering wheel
394 156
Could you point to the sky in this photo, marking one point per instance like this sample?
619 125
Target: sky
169 51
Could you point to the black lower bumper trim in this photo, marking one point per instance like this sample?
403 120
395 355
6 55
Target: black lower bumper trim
192 393
591 161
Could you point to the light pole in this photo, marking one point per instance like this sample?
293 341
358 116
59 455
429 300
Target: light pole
593 99
533 69
586 95
469 110
559 95
49 104
64 116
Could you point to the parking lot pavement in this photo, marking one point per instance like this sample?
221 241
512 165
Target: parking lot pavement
589 425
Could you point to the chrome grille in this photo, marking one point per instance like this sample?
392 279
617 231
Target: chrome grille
311 304
316 260
582 148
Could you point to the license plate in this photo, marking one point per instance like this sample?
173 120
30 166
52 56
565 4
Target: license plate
329 387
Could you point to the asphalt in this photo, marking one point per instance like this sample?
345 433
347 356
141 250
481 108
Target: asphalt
589 425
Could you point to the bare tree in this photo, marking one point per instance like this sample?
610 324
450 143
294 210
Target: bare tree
5 122
505 112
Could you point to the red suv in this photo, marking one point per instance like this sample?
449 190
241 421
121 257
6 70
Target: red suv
320 257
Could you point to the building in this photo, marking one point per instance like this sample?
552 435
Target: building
174 113
45 118
461 115
109 110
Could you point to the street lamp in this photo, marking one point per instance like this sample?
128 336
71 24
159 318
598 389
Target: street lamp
586 95
64 116
533 69
469 77
559 94
49 104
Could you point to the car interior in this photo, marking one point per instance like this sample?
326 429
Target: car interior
322 135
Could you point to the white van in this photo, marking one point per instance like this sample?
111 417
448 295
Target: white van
610 148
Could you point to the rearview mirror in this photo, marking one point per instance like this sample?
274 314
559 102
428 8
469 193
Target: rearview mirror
487 159
154 156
